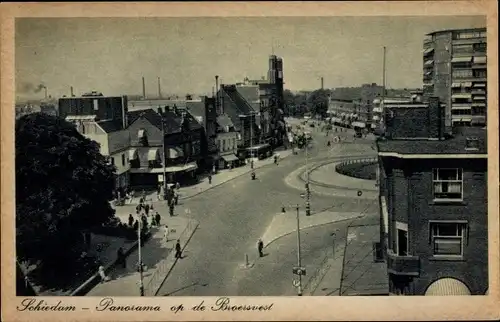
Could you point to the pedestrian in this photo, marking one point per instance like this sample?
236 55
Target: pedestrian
260 247
130 220
157 218
144 221
328 143
165 233
153 221
171 209
136 224
177 185
120 258
138 207
178 250
209 179
146 209
102 274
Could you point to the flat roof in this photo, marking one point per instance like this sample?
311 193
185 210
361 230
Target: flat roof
455 30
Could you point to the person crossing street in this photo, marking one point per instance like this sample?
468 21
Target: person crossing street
260 247
178 250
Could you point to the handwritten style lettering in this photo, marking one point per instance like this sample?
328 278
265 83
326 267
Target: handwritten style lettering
32 304
223 304
107 304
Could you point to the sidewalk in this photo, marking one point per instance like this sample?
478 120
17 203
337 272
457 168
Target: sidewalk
284 224
221 177
341 186
361 275
158 258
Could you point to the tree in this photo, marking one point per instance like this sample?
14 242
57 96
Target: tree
318 100
63 187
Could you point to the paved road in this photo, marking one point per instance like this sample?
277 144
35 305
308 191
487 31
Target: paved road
232 218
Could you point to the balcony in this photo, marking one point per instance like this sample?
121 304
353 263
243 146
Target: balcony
403 265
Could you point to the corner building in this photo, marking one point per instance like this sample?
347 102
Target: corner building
433 200
454 69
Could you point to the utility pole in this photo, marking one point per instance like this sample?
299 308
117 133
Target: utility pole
308 191
299 257
141 268
164 157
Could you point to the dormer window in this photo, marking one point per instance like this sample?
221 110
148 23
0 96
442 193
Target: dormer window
472 144
143 137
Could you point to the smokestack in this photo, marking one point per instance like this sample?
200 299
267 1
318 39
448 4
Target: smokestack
71 90
159 88
143 88
45 88
217 107
322 83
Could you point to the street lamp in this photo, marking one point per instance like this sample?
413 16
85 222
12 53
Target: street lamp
299 270
308 191
164 157
141 268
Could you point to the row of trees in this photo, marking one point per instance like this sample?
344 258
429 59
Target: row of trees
63 188
315 102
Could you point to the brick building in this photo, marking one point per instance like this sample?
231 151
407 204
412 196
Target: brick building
433 200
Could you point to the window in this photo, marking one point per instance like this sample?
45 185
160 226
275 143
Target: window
447 238
480 73
112 159
447 184
462 73
462 48
472 144
480 47
123 159
401 239
234 144
143 137
224 145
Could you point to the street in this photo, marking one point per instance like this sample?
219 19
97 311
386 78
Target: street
234 216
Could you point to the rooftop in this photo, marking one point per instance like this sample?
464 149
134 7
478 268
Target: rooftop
456 30
455 145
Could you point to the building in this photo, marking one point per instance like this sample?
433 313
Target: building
175 130
364 106
454 66
227 143
433 201
341 112
102 119
378 106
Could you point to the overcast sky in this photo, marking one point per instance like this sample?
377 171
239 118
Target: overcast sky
112 54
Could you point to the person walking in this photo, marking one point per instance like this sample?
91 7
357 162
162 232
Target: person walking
102 274
171 209
209 179
146 209
260 247
178 250
130 220
136 225
157 219
144 222
120 258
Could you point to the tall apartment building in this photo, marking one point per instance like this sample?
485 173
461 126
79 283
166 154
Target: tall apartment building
455 71
433 200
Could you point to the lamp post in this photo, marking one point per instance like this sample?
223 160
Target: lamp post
299 270
308 191
139 244
164 157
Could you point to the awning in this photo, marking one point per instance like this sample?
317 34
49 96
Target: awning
336 120
359 124
479 104
479 98
377 110
152 154
480 60
187 167
460 107
466 84
173 153
466 119
466 59
132 154
428 63
428 51
455 85
229 157
427 73
447 287
479 85
461 95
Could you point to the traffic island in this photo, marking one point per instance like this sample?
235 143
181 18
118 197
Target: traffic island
366 170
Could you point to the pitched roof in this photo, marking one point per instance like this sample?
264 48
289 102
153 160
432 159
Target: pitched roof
171 120
251 94
196 109
455 145
110 126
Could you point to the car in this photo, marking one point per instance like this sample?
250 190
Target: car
312 125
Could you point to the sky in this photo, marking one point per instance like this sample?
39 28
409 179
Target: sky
111 55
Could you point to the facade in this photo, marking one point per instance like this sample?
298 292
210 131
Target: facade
433 202
104 120
455 71
227 143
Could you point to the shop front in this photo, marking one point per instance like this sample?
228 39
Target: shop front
229 160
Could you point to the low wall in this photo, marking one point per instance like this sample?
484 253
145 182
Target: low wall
349 168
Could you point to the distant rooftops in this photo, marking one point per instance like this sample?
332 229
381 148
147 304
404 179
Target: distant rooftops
455 30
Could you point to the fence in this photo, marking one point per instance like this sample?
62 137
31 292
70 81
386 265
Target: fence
166 265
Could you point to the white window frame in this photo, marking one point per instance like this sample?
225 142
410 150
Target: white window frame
403 227
461 236
459 179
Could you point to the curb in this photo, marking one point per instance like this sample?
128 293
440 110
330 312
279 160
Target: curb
339 167
311 226
89 284
228 180
197 223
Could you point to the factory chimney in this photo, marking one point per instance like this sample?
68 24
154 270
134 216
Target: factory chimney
217 101
159 88
322 83
71 90
143 88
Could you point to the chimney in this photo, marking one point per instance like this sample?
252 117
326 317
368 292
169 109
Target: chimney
143 88
159 88
160 110
322 83
71 92
217 100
